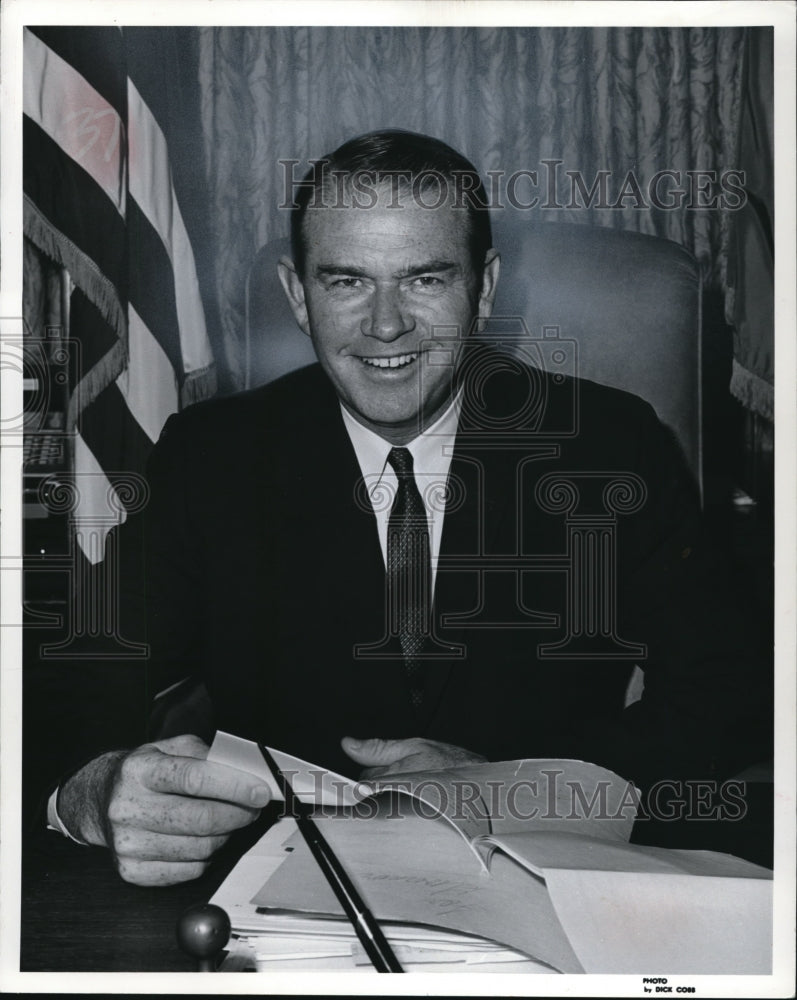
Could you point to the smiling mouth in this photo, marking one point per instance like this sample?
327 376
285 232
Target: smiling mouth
397 361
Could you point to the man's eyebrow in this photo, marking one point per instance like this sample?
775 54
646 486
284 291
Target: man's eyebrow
428 267
351 271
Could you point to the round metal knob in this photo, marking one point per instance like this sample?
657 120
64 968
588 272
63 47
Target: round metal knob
202 932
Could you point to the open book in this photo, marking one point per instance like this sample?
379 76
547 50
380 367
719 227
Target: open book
525 858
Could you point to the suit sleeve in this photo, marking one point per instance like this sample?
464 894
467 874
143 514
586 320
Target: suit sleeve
173 586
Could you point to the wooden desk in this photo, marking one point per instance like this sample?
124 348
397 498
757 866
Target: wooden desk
79 916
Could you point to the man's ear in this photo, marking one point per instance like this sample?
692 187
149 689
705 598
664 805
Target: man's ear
492 267
292 284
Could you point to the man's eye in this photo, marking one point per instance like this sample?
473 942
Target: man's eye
427 281
345 283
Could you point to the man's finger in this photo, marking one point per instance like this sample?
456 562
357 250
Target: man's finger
204 779
183 746
145 846
376 752
159 872
179 815
368 773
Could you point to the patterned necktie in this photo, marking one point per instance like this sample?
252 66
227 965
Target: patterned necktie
409 570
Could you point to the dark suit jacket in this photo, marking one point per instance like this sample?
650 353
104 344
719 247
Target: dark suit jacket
264 575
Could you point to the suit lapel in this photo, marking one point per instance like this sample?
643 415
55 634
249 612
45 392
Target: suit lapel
347 554
488 457
481 494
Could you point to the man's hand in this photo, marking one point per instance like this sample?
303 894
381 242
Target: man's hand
162 809
384 757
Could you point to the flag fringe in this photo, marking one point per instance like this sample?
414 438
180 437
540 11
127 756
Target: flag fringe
198 385
108 368
82 269
752 391
98 290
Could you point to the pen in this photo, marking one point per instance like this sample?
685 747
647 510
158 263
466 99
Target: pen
362 920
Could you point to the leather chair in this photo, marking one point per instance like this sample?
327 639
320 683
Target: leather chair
616 307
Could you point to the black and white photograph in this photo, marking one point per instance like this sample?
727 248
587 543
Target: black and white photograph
397 564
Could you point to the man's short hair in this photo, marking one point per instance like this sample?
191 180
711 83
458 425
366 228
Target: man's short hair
432 172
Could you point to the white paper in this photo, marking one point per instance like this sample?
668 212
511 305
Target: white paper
632 922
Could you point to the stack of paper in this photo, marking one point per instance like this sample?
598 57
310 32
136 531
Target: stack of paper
526 871
270 939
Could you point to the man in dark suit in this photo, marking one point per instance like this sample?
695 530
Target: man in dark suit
434 554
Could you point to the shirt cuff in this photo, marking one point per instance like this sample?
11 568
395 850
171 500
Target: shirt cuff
54 821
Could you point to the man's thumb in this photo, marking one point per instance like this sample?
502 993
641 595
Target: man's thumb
374 752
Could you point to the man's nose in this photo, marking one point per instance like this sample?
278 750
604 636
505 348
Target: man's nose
387 320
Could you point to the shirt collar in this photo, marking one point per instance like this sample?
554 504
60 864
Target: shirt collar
431 451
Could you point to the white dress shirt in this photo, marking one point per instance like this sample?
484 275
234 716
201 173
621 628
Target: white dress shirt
431 455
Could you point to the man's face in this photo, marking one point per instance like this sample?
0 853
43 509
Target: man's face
388 294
